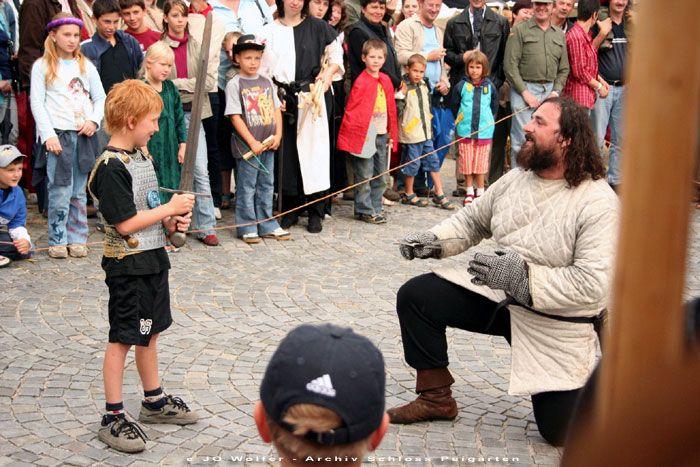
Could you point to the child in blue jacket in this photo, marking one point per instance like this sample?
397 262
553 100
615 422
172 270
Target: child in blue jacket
474 103
14 238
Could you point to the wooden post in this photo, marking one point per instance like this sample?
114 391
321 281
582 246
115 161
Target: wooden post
647 406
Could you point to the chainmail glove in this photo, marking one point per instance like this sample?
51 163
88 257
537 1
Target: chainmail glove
417 250
507 270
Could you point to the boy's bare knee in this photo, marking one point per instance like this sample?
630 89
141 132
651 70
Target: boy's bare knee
118 347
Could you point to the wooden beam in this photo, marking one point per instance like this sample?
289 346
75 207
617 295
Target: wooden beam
648 397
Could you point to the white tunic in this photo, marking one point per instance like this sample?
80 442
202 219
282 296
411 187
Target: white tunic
313 143
567 236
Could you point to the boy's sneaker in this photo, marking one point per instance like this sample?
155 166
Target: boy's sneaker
4 261
251 238
122 435
373 218
278 234
58 252
174 411
78 251
217 214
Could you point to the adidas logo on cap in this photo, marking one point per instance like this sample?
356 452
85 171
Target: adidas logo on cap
321 385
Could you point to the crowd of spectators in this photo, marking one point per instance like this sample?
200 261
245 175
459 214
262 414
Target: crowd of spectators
534 50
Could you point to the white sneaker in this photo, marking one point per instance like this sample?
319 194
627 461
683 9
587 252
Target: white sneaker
251 238
217 214
278 234
58 252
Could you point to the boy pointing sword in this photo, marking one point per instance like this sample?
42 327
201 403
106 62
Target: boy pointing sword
124 185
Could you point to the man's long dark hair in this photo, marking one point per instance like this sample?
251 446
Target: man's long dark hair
582 154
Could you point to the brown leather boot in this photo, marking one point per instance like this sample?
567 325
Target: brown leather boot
434 402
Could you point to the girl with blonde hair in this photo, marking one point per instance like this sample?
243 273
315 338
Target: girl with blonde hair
186 49
66 122
167 146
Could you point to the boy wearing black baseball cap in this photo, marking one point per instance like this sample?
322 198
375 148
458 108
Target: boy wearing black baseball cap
322 397
254 109
13 207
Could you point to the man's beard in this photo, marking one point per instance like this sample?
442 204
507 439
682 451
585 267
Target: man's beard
535 158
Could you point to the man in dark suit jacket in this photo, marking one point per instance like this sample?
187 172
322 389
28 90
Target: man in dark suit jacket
493 31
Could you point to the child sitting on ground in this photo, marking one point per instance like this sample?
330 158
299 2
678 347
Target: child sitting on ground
416 136
14 238
370 111
474 104
254 109
124 185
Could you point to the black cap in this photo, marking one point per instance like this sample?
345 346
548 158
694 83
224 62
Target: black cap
332 367
247 42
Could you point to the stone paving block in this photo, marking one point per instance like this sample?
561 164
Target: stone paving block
231 306
25 456
119 460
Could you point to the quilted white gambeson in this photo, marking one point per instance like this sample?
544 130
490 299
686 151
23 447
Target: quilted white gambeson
568 238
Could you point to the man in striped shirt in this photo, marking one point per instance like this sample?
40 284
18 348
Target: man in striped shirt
583 80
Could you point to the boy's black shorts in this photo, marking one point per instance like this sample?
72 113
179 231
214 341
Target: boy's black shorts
139 307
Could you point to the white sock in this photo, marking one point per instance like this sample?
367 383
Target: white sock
470 190
151 399
479 191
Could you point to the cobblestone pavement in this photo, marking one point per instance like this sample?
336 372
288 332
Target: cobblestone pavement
231 306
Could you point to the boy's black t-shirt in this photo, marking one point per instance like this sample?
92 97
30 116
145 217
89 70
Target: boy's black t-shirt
115 65
112 186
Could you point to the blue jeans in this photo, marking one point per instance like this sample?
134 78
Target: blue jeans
67 211
203 212
368 196
412 151
254 191
606 112
517 135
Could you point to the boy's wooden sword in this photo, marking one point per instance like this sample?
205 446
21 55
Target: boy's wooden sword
178 238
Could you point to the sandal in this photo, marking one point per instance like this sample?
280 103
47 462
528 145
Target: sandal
443 202
414 200
468 199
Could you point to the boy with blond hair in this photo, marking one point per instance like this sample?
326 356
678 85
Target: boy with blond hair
124 185
322 397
